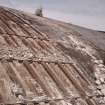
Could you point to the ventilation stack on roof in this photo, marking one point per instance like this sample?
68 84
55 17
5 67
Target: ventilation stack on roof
39 12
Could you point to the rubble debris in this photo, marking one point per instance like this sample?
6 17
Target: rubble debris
11 53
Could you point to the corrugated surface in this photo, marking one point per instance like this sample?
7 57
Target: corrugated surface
36 67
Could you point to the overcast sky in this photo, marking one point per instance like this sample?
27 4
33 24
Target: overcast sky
87 13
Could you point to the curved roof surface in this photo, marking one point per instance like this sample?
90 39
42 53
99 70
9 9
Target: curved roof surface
44 61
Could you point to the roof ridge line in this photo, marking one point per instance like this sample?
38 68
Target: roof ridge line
31 61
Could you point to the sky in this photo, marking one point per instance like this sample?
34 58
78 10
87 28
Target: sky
86 13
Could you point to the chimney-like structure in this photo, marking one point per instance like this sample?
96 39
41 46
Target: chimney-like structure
39 12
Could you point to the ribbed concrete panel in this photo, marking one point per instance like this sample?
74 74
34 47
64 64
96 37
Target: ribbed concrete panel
43 61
